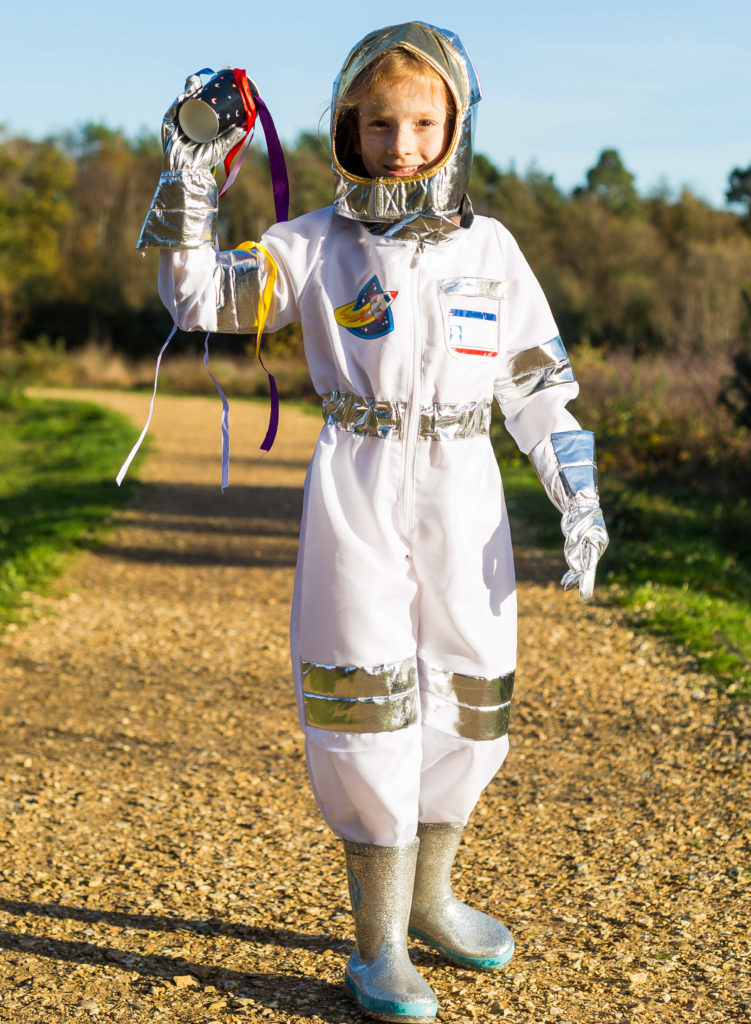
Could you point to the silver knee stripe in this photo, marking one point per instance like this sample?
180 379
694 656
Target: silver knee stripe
478 708
351 698
371 417
535 369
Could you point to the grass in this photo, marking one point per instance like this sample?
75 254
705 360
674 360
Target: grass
681 565
679 559
57 488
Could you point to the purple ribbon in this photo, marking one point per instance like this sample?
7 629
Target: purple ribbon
273 413
277 165
280 188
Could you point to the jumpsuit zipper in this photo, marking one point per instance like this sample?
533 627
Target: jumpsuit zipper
412 424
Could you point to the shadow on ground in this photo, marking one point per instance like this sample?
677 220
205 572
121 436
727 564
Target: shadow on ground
192 525
247 526
291 992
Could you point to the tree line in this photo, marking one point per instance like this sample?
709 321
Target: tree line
654 273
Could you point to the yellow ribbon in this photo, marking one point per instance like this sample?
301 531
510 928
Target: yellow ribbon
267 294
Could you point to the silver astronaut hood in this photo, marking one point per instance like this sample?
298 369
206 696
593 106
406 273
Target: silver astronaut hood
438 190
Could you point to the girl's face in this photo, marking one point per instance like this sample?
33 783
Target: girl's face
403 129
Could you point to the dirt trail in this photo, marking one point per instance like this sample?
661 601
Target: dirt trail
161 857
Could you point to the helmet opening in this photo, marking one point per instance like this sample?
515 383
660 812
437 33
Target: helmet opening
396 66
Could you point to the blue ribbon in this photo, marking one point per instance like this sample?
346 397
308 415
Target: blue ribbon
225 415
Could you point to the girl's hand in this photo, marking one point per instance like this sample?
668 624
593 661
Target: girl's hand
180 152
585 540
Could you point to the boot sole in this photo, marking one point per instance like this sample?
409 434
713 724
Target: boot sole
490 963
387 1009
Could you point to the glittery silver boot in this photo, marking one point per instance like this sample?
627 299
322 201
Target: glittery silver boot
466 936
379 974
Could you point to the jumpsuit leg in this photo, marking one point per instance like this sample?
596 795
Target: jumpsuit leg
353 640
467 625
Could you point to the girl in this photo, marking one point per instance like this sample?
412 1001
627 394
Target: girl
415 314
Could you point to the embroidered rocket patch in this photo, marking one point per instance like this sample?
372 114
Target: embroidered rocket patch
369 316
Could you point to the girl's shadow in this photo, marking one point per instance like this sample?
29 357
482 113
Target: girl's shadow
296 993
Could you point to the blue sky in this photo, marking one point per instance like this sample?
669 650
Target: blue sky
668 84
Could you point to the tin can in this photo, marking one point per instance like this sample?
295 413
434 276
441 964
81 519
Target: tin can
223 102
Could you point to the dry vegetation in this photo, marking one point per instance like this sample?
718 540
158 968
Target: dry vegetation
182 370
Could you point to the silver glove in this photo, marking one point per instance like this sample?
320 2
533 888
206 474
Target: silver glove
565 463
183 211
585 540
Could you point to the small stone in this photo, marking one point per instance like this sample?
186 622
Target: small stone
117 956
185 981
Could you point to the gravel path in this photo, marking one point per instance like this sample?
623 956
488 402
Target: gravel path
161 857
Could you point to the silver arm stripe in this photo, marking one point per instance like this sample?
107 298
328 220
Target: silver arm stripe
535 369
352 698
238 289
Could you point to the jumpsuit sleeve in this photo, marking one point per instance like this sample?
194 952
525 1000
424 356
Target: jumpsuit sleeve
535 380
228 291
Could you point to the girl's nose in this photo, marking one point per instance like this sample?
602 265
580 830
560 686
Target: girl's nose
402 140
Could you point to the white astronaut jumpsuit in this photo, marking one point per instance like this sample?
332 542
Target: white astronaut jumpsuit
403 627
405 581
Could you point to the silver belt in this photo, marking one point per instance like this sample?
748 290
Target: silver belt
371 417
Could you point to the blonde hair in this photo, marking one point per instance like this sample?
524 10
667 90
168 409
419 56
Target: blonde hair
397 66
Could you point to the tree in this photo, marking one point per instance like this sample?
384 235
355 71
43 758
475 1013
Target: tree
544 189
35 207
736 395
612 184
739 190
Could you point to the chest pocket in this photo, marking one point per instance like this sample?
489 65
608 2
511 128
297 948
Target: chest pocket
471 310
